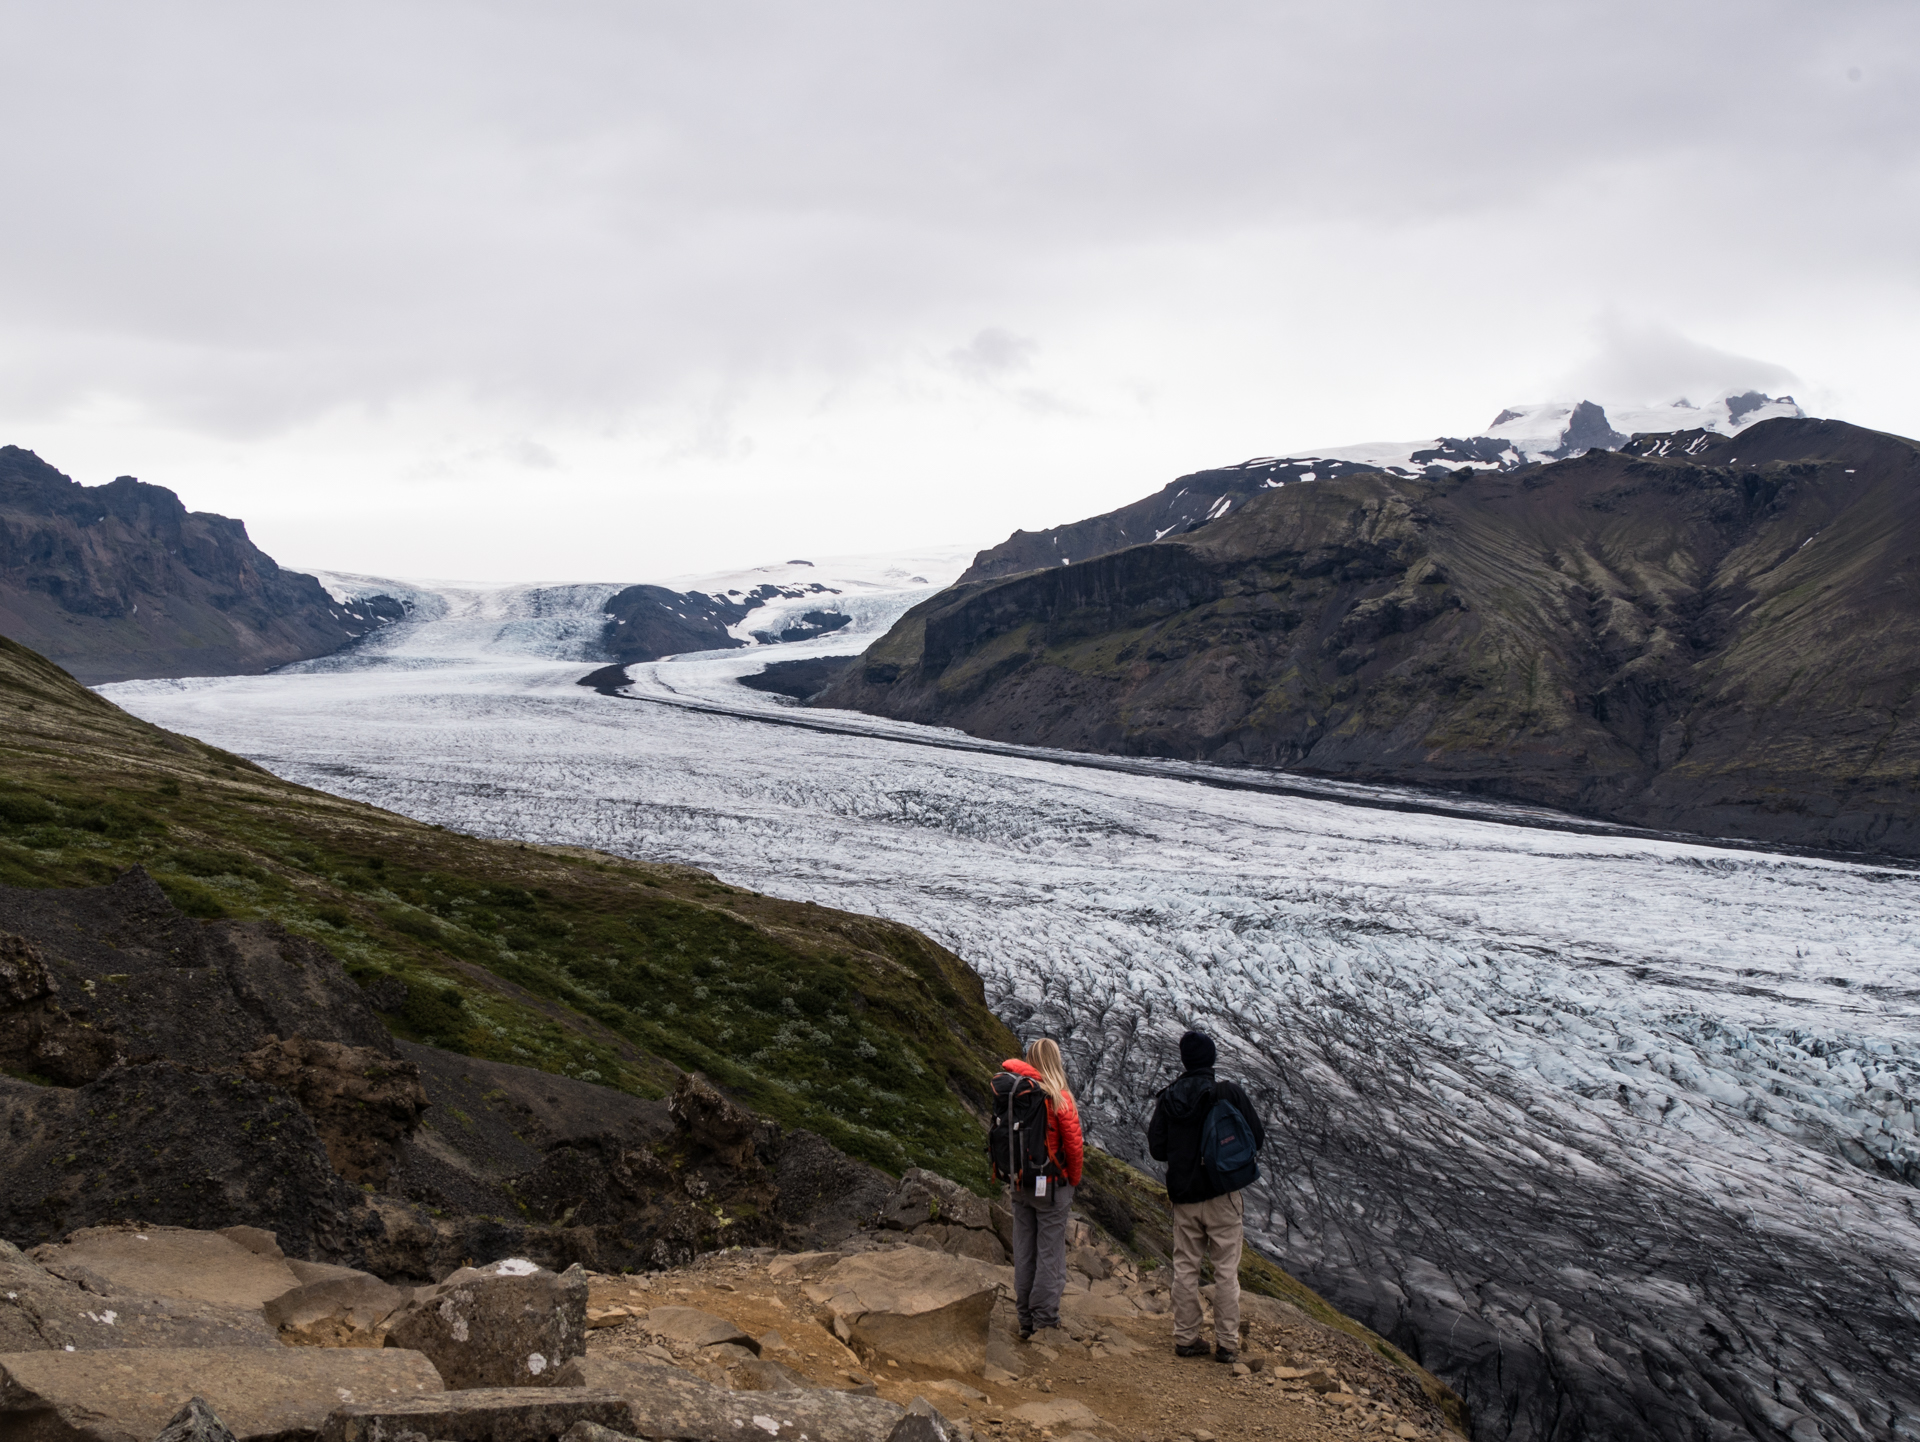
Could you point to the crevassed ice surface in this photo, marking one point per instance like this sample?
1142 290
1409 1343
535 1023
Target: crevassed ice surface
1616 1133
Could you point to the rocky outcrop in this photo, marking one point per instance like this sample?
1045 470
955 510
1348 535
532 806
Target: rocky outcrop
211 1074
171 1146
1696 632
931 1211
363 1101
121 580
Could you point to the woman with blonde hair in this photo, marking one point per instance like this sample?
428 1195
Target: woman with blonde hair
1041 1184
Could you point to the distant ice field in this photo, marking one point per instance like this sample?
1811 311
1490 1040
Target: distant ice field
1557 1109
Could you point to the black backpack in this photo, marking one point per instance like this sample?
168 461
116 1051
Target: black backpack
1017 1140
1226 1147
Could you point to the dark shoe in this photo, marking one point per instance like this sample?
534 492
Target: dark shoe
1224 1354
1026 1334
1191 1349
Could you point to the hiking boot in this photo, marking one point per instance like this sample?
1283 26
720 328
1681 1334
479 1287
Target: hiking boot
1026 1334
1191 1349
1223 1354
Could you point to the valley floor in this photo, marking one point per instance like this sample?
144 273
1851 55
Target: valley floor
1615 1133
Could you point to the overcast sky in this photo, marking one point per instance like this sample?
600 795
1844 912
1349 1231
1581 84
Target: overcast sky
619 290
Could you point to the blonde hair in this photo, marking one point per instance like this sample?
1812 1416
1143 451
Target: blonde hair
1043 1055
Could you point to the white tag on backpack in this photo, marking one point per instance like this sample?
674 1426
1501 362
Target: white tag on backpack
1039 1186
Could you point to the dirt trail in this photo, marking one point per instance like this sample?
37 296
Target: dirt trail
1300 1382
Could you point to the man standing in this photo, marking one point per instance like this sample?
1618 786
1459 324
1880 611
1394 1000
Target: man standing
1207 1215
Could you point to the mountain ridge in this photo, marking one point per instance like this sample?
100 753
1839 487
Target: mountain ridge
1699 632
121 580
1517 436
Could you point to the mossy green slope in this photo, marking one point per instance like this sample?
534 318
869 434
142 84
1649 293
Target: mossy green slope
571 961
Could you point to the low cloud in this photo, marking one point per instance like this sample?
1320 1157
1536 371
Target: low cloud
1649 363
993 354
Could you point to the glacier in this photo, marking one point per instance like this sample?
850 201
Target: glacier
1614 1131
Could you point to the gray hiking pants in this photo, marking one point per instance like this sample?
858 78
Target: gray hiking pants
1040 1255
1215 1228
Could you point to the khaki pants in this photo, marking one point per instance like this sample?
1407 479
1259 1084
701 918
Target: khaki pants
1215 1228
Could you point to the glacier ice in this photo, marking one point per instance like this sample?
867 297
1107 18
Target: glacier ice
1614 1131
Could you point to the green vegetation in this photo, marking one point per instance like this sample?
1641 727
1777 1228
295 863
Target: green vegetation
567 960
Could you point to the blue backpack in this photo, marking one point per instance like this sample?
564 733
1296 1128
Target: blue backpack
1226 1148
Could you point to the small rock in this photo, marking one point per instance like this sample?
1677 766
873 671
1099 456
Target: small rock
1406 1429
797 1265
1241 1369
694 1328
195 1422
1090 1261
1059 1411
958 1389
757 1374
921 1424
773 1342
578 1432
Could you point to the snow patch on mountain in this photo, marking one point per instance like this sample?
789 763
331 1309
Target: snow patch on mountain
1521 435
799 600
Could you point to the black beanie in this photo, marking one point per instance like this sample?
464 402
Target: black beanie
1196 1051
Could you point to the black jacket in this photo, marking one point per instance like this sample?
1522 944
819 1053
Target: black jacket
1173 1136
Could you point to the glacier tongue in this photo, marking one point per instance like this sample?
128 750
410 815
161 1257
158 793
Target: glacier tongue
1614 1132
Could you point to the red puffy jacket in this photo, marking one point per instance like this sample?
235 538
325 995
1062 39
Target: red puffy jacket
1064 1143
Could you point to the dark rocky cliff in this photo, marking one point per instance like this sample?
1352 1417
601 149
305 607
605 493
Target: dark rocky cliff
121 581
1700 632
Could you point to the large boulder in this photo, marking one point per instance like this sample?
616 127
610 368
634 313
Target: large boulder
337 1311
925 1196
168 1262
263 1393
508 1324
671 1404
943 1216
712 1120
913 1305
42 1312
482 1414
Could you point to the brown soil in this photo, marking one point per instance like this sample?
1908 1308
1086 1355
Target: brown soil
1142 1394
